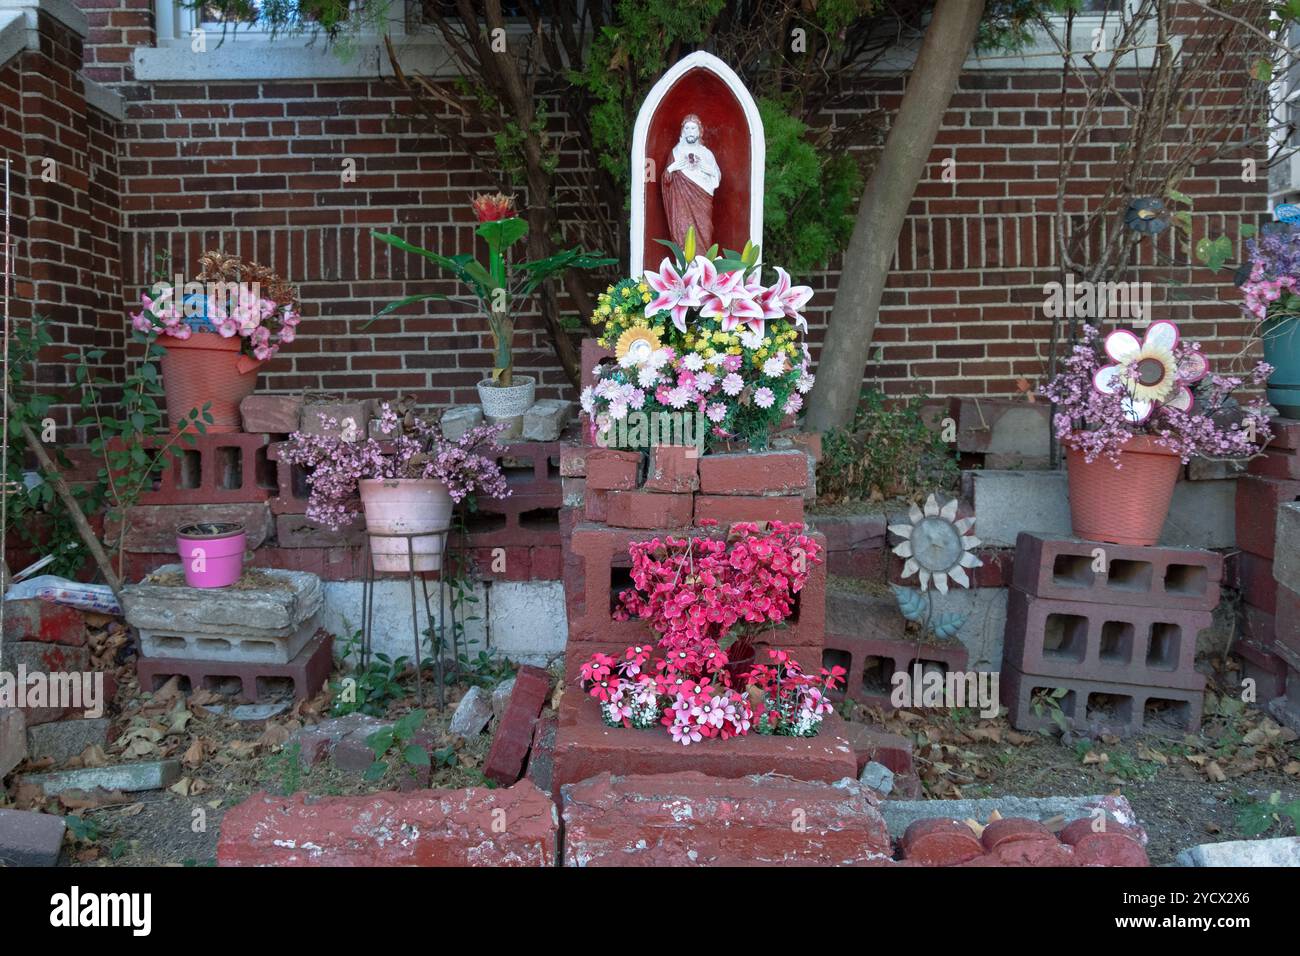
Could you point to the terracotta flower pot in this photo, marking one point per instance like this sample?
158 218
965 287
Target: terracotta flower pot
206 369
406 506
1125 505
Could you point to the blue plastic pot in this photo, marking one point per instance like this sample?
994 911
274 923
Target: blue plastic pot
1282 351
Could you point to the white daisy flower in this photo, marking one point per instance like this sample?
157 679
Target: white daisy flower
693 362
733 384
774 367
764 398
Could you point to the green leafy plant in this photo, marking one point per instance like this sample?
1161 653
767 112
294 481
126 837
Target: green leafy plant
397 742
372 687
1047 703
1261 816
286 765
498 287
887 451
34 510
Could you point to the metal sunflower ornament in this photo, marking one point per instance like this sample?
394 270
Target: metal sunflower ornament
937 547
1147 216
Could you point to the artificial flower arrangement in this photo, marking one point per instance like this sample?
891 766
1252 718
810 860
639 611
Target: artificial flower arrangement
1156 385
413 448
704 334
239 298
498 286
708 600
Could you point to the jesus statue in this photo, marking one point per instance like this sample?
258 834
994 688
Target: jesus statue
689 182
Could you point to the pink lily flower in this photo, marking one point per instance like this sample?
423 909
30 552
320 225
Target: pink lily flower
674 293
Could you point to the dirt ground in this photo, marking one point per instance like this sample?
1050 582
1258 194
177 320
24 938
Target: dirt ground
1186 789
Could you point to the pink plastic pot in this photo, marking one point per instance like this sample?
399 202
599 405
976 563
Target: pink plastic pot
406 506
212 553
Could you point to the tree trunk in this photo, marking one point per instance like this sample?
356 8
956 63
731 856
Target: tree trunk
883 209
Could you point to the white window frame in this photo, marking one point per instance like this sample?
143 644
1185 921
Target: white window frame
175 24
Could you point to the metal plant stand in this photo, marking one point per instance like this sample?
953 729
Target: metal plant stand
440 636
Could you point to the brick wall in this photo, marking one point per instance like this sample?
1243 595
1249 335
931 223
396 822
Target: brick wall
256 167
66 218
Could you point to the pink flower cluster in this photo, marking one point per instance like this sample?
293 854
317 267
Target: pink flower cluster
1097 423
732 298
466 466
703 596
696 704
263 324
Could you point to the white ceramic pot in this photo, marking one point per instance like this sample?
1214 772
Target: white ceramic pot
406 506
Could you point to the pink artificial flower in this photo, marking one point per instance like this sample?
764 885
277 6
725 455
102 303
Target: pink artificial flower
675 294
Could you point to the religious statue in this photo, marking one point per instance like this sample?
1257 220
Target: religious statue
689 182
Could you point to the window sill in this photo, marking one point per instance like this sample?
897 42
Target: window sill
250 58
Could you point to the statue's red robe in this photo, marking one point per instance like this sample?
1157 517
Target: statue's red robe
688 204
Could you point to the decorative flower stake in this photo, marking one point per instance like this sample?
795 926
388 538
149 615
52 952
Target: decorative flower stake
1148 374
936 545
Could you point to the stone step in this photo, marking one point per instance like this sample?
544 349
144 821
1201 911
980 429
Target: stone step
262 649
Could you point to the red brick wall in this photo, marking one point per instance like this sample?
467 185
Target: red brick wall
65 211
255 167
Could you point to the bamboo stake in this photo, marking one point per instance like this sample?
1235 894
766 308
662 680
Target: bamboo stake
88 538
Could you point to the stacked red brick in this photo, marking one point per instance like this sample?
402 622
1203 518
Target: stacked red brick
1271 614
1114 626
610 504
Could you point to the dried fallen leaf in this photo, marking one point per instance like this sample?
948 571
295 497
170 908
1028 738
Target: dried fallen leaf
1215 772
1292 768
976 827
181 787
196 754
90 799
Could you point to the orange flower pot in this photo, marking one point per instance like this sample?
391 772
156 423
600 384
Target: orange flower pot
1124 505
206 369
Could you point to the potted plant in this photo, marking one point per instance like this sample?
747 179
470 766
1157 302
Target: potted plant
498 288
1273 301
710 600
1132 416
406 483
704 335
217 340
212 553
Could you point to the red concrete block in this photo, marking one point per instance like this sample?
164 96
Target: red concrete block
869 743
217 468
299 531
1258 662
1063 569
1286 623
871 662
1099 707
31 619
940 842
585 747
862 532
638 820
273 414
503 564
1258 500
475 827
513 738
1255 578
673 469
595 505
1150 646
1114 844
1277 464
292 489
646 509
307 673
1286 434
152 528
547 564
730 509
754 473
611 470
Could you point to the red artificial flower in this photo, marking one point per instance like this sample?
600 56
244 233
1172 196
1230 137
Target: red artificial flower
489 207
